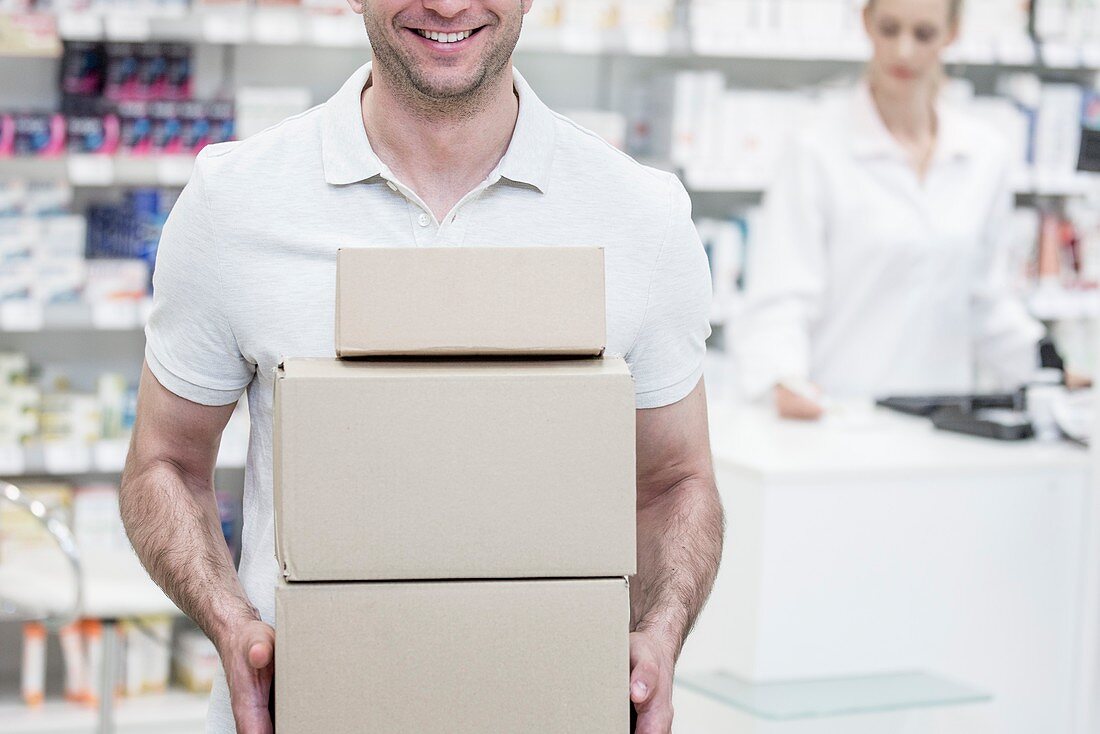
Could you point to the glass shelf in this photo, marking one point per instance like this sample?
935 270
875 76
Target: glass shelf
808 699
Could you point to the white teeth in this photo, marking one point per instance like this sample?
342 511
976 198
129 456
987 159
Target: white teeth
446 37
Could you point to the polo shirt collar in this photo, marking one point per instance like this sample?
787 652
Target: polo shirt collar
872 139
348 158
531 150
345 151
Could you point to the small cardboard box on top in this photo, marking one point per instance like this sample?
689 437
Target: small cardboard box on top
461 657
453 301
454 469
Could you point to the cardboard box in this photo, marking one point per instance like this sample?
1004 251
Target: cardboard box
470 301
424 469
454 657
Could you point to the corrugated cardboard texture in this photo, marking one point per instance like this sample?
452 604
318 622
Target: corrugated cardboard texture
470 301
454 469
462 657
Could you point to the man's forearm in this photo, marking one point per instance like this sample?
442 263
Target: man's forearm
679 546
173 523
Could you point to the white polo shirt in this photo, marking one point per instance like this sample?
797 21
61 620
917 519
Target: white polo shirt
246 269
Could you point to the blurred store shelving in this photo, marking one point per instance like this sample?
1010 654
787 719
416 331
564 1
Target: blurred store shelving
106 103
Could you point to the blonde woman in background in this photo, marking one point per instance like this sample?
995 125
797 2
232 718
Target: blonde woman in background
881 271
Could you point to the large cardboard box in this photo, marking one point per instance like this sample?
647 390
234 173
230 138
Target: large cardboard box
470 301
453 657
456 469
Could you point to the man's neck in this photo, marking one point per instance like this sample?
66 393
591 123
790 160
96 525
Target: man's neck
441 152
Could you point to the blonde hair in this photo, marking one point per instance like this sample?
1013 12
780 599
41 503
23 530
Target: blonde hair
954 9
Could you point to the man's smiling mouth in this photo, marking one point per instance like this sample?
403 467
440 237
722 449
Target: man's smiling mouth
442 37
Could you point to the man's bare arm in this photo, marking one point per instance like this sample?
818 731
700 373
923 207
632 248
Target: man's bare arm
171 515
680 520
169 508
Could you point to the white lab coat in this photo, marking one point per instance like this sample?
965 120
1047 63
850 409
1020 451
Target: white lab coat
870 282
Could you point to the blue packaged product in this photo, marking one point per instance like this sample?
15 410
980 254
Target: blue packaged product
92 134
39 134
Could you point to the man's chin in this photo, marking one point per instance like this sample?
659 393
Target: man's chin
444 87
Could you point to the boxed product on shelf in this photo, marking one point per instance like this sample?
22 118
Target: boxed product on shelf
1074 21
93 134
61 237
16 280
205 123
196 661
83 69
34 134
725 242
472 656
116 280
13 191
124 73
166 127
19 404
1058 130
69 417
47 198
18 236
611 126
729 25
97 524
172 127
258 108
115 406
135 128
470 300
732 137
130 229
22 533
58 281
454 469
146 654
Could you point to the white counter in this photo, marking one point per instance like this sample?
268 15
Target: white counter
874 543
867 443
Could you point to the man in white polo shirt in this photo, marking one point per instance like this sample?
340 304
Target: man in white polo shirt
439 144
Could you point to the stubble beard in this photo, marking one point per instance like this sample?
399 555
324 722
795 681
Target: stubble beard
429 100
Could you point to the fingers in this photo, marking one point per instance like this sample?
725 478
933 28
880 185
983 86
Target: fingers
252 720
655 721
250 675
650 693
257 641
260 654
643 681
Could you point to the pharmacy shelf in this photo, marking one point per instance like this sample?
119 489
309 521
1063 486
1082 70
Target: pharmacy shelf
105 170
25 316
340 29
73 458
174 712
175 170
41 584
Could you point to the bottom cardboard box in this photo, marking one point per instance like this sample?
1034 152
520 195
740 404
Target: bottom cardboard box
461 657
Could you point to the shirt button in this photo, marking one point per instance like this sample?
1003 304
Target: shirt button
424 219
392 185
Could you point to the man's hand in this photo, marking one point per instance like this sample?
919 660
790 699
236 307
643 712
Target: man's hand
680 528
248 657
651 665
